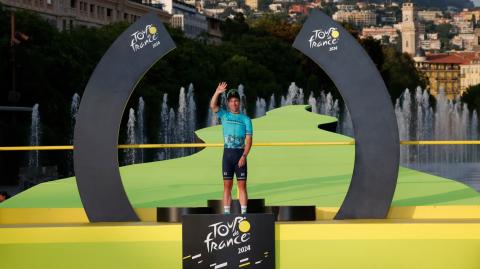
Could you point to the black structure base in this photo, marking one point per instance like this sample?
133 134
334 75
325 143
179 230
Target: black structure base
292 213
228 241
174 214
253 206
281 213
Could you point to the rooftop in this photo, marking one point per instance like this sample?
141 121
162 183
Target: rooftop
453 58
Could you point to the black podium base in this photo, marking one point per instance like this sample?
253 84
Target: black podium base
292 213
253 206
174 214
281 213
228 241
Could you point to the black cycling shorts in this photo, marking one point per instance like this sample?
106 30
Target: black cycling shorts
231 156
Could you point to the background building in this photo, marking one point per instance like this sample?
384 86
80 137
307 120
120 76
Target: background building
253 4
450 72
429 15
430 42
356 17
187 18
410 29
65 14
386 34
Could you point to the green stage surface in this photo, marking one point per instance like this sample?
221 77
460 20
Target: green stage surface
293 175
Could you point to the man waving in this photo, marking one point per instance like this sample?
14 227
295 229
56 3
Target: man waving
237 134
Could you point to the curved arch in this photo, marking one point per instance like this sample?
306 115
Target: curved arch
377 149
324 41
98 122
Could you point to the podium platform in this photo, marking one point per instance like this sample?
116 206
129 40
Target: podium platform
411 237
280 213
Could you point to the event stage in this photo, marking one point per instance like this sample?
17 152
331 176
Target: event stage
434 222
412 237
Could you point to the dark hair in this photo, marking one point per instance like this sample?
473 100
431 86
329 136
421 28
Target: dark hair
233 93
4 193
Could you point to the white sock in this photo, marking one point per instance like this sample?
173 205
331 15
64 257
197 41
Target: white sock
226 209
244 209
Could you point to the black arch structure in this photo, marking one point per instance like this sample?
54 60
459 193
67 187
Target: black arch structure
377 149
100 113
139 47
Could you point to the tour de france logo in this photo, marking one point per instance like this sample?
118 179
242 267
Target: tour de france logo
325 38
231 243
144 37
228 234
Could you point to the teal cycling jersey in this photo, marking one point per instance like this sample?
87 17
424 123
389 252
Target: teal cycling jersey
235 128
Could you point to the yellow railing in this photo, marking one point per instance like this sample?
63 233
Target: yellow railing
439 142
259 144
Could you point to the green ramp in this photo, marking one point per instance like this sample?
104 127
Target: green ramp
282 175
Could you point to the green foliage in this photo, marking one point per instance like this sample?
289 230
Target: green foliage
472 97
444 35
277 26
235 28
397 69
329 8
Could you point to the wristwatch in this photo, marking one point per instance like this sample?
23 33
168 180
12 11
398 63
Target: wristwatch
244 155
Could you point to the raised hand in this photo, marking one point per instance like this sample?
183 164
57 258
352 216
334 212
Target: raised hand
221 87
